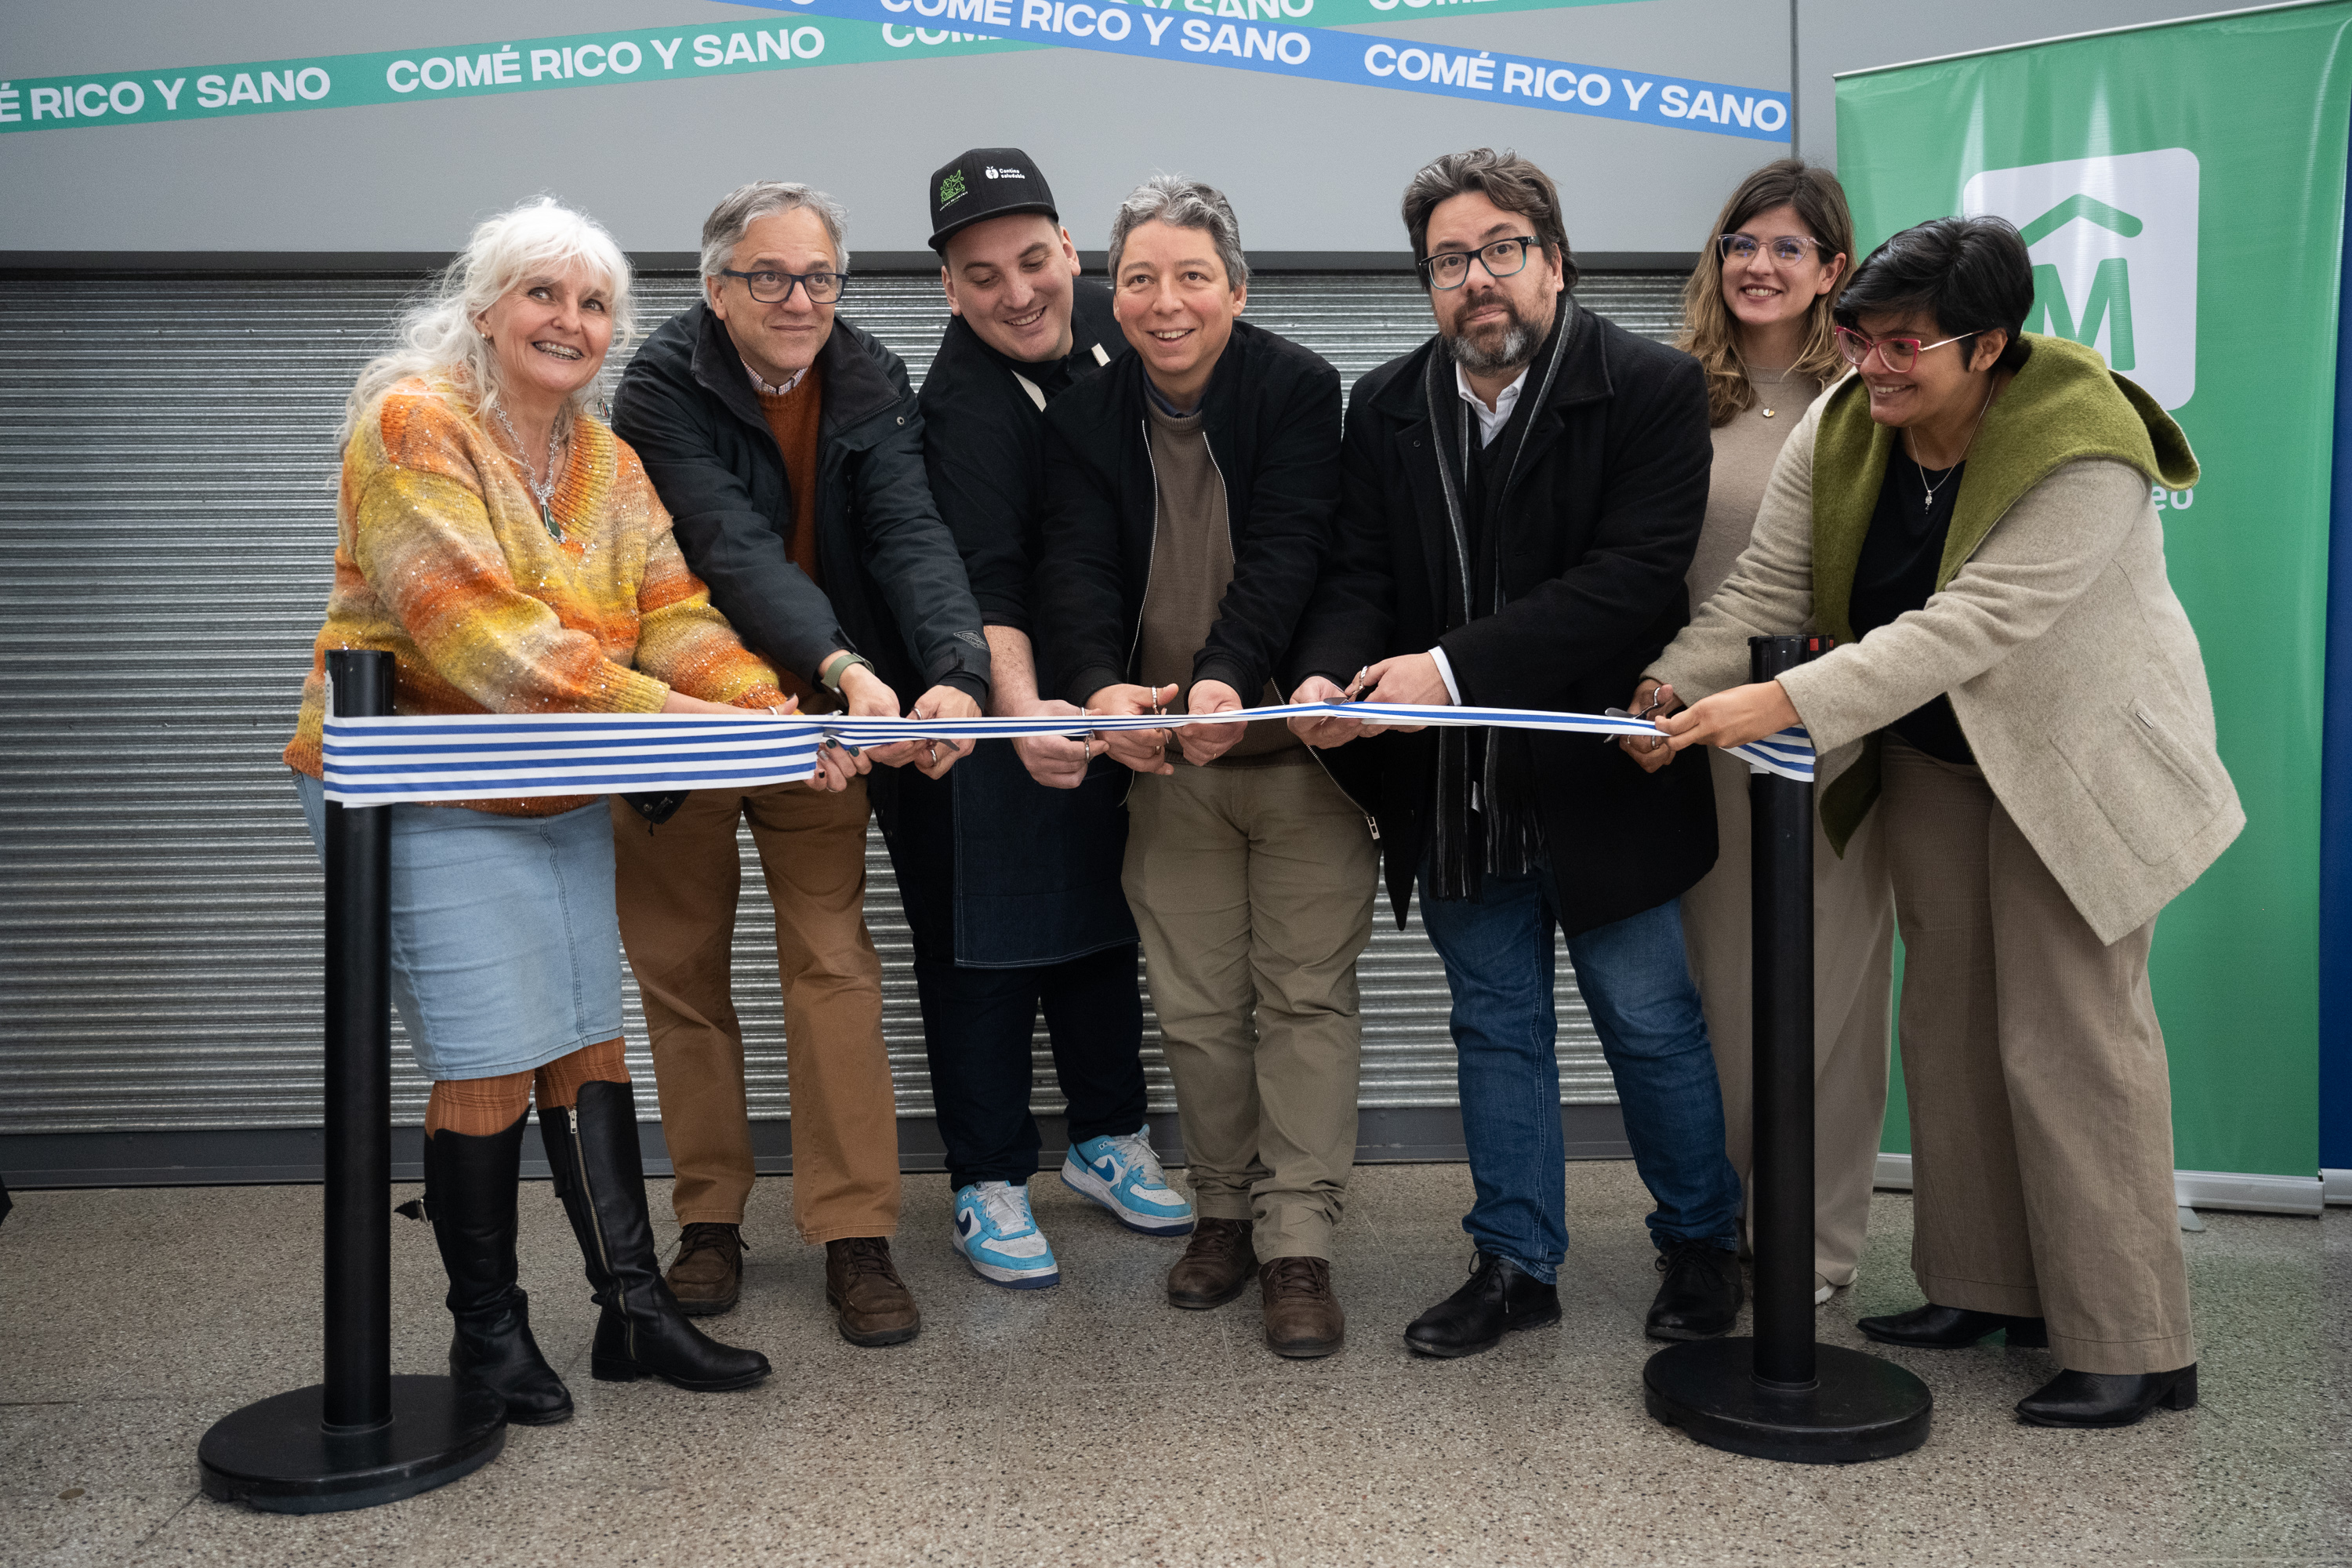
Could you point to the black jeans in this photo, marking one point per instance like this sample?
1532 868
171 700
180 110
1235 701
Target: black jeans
976 1029
978 1023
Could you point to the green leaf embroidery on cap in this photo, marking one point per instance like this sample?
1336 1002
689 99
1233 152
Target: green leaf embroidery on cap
952 189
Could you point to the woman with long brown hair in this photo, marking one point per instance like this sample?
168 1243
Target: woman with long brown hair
1756 315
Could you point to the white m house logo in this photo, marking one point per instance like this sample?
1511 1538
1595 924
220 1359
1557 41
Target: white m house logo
2114 242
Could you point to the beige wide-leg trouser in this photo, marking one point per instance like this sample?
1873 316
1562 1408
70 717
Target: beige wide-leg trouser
1252 889
2040 1104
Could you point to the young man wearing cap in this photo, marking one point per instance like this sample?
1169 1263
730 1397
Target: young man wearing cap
1190 491
787 447
1010 865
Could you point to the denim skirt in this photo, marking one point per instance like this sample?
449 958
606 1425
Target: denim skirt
506 951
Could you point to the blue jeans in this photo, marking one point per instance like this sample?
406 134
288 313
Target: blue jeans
1498 954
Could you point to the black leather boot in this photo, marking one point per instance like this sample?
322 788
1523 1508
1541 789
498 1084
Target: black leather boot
602 1180
1933 1328
1499 1297
2108 1399
1701 1293
469 1196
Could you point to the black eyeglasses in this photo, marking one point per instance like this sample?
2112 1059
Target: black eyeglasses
1788 249
1500 257
770 288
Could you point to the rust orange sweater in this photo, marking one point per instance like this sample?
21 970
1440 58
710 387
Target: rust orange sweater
441 560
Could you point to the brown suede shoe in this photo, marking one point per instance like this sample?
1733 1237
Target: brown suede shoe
706 1274
1216 1266
869 1301
1302 1317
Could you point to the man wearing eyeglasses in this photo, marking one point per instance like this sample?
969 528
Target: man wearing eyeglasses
787 445
1522 497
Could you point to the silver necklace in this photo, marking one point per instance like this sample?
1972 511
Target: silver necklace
1955 467
1779 381
545 492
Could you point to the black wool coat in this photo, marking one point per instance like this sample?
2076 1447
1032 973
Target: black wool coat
1272 416
895 588
1598 527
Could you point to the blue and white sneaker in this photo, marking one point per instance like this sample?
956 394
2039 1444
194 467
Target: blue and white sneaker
1123 1175
997 1236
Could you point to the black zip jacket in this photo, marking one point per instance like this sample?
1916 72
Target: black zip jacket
895 587
1273 421
1597 528
984 447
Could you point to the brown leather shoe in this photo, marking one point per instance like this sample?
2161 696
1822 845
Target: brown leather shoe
1216 1266
1302 1317
706 1274
870 1302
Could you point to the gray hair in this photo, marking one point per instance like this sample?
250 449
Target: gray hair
1181 202
436 335
744 206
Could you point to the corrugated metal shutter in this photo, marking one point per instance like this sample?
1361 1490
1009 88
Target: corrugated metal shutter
166 525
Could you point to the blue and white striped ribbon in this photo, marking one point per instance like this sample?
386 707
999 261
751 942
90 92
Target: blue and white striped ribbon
500 756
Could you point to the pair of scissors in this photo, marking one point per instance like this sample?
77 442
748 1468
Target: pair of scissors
1656 702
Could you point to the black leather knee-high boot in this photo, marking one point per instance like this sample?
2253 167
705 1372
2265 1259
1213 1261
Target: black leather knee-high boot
602 1179
469 1195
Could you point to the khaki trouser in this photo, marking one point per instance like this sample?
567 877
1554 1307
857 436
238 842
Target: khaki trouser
678 886
2040 1106
1853 964
1252 889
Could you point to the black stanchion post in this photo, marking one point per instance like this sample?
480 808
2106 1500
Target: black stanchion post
1780 913
363 1436
1781 1394
359 1081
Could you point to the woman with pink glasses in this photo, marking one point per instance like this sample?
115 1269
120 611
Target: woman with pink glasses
2020 701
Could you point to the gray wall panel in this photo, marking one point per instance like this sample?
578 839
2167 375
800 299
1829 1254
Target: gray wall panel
166 529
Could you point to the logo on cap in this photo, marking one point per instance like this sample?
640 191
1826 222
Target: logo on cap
994 173
952 189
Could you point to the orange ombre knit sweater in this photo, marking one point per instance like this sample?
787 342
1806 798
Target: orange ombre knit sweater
441 560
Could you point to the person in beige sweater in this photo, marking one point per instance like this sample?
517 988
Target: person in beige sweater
1757 315
2019 695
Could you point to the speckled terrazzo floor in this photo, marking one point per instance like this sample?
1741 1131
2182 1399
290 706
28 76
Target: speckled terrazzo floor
1092 1424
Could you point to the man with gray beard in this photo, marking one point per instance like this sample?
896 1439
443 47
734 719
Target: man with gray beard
1521 498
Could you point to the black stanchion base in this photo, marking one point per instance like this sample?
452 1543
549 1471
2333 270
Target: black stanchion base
1862 1407
275 1455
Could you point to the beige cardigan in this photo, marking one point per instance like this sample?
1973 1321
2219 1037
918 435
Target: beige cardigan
2071 666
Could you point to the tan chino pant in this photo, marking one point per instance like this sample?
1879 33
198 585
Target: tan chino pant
2041 1105
1853 964
1252 889
677 888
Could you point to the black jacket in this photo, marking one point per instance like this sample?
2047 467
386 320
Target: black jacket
1273 422
1598 527
984 447
895 588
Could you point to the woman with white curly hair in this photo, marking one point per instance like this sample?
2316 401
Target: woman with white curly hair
508 551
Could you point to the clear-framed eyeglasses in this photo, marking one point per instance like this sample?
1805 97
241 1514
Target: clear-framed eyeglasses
1786 250
1500 257
773 287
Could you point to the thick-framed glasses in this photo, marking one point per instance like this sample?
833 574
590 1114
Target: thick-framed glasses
1500 257
772 287
1897 355
1786 250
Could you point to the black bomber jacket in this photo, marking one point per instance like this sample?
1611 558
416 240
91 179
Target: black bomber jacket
895 588
1273 423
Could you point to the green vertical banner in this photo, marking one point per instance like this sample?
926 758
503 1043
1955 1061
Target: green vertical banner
2181 188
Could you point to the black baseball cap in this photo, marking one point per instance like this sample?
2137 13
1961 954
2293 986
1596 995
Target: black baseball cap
986 183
